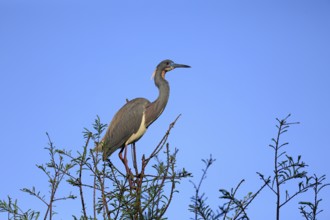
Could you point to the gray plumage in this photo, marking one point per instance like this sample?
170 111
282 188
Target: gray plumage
131 121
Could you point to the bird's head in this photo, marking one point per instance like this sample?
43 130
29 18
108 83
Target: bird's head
168 65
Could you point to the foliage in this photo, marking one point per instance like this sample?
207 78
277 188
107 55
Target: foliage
15 212
146 190
286 170
112 196
310 210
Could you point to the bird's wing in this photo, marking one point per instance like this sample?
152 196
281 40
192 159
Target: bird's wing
125 123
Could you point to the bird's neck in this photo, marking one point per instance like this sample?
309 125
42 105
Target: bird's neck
156 108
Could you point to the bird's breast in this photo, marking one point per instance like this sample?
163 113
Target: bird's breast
137 135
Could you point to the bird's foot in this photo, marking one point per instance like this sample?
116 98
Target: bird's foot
131 180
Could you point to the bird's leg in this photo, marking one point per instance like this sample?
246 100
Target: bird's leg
134 159
124 159
125 162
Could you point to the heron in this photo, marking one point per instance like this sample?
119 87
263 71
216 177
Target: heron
131 121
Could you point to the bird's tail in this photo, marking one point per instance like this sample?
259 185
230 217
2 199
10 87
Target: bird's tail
98 146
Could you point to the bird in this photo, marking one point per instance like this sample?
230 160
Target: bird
131 121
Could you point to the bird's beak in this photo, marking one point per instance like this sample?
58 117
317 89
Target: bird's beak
171 67
175 65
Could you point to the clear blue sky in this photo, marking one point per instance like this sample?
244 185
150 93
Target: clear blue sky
64 62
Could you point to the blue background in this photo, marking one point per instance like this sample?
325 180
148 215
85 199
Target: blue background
64 62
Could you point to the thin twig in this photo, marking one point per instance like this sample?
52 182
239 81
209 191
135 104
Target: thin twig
80 177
